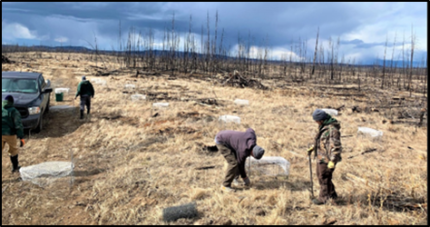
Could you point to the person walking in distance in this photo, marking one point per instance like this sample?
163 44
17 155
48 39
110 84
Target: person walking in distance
11 130
328 148
86 92
236 146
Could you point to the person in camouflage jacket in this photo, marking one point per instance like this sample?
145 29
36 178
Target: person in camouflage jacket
11 129
328 149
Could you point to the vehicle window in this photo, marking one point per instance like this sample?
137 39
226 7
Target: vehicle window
19 85
41 82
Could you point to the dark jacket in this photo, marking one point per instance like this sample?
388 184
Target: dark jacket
11 120
85 88
241 142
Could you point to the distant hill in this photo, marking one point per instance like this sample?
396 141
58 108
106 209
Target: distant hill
369 62
50 48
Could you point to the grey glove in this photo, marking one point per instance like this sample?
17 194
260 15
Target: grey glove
247 181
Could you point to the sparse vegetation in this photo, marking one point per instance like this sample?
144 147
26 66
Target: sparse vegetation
130 165
132 160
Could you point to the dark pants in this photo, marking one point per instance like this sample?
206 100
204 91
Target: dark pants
85 101
233 167
327 189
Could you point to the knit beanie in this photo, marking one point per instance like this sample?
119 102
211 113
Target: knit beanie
9 98
258 152
319 115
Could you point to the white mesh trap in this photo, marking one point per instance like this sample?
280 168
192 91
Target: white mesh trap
137 97
271 166
160 104
46 172
229 118
332 112
369 132
241 102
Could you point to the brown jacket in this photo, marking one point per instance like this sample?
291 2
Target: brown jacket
241 142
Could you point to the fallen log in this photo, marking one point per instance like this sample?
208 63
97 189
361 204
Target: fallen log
97 67
211 148
347 94
407 205
356 109
340 107
236 80
358 100
364 152
389 107
204 167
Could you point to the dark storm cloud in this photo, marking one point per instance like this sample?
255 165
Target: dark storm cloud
84 10
281 22
362 45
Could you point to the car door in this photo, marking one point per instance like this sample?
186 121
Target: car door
43 96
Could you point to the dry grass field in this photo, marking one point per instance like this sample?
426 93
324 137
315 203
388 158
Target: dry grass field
131 163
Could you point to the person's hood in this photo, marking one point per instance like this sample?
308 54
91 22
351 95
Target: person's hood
331 121
251 138
6 104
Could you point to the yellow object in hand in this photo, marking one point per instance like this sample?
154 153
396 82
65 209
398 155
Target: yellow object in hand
309 151
330 165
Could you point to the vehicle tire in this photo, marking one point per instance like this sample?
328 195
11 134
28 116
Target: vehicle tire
40 125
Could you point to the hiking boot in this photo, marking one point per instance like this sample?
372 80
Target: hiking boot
227 189
317 202
14 170
15 166
82 115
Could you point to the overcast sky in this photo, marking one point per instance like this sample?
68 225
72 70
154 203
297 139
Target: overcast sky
362 27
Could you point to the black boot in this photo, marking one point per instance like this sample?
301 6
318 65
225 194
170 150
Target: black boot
82 114
15 166
317 202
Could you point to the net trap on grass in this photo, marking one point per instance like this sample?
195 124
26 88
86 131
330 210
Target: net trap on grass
270 166
45 173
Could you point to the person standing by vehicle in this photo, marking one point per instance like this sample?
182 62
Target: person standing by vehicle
86 92
328 149
11 130
236 146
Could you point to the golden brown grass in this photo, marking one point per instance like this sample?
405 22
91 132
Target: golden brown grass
130 168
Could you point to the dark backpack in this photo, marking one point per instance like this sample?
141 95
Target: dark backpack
85 87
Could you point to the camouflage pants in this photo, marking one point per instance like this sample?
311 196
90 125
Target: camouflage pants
327 189
232 168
